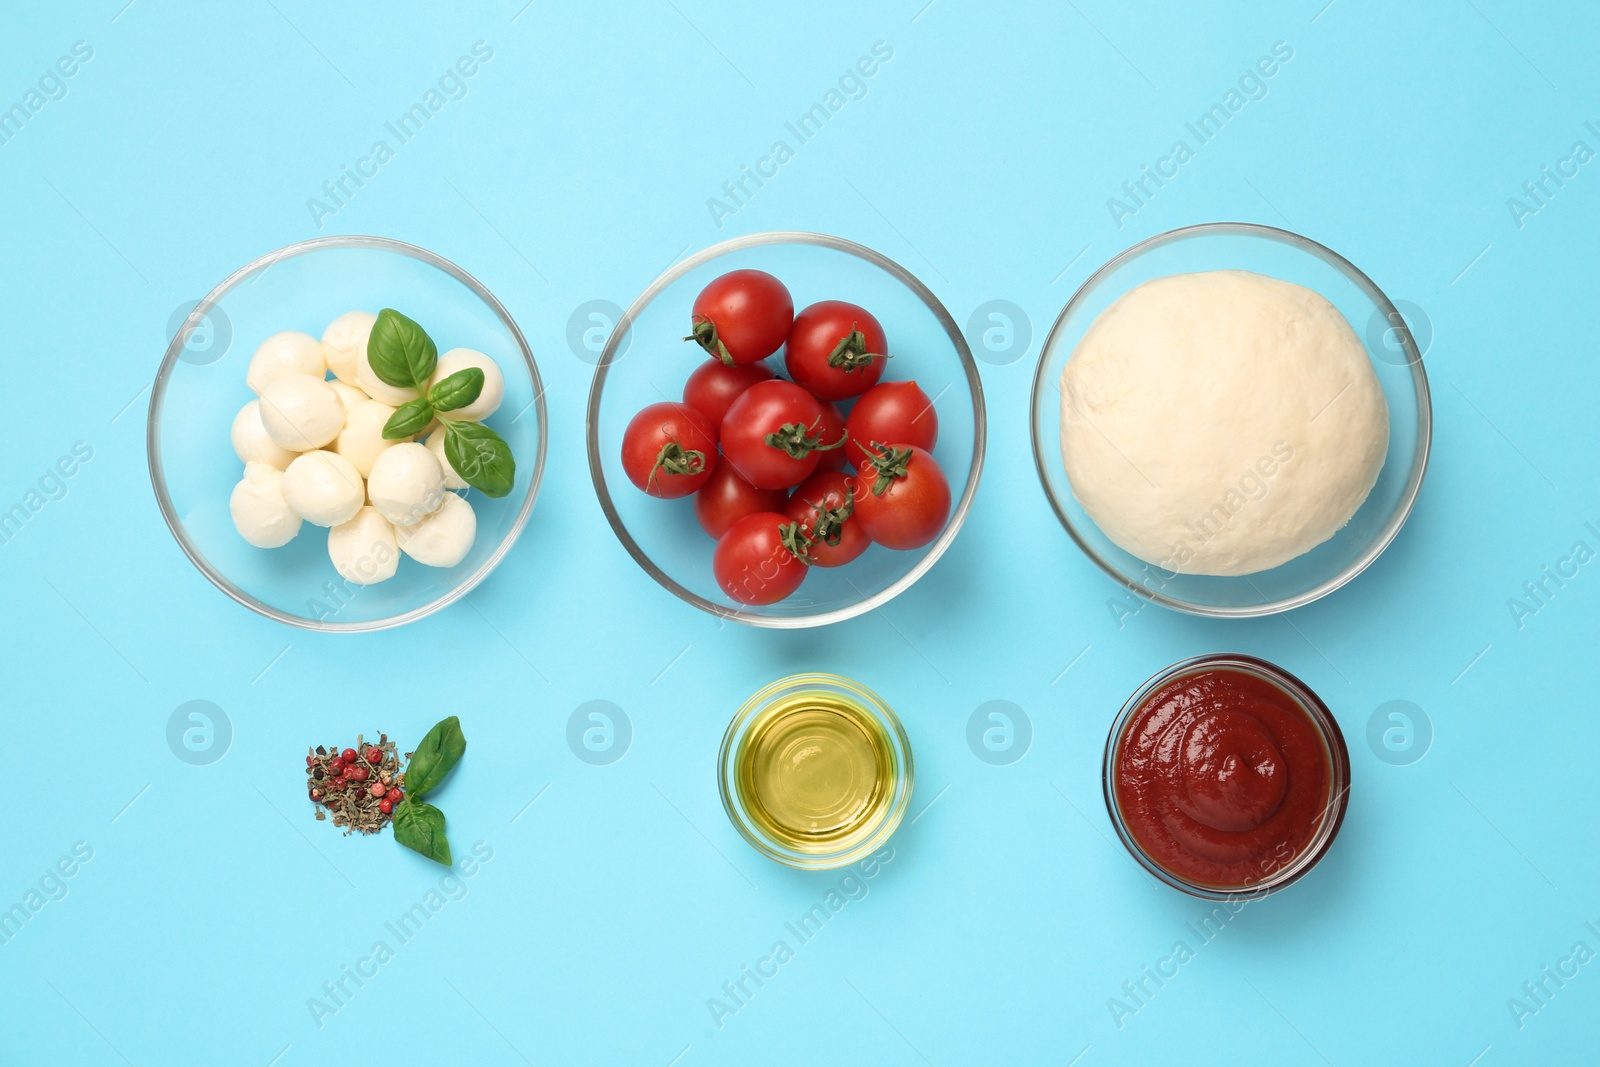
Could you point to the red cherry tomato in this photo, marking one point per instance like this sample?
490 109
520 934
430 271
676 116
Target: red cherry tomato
904 498
897 412
714 386
669 450
742 316
833 436
726 498
836 350
754 562
772 434
825 505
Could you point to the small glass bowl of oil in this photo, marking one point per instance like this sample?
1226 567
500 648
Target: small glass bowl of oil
815 771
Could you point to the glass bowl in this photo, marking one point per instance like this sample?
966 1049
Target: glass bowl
645 361
1395 358
1333 746
201 385
827 690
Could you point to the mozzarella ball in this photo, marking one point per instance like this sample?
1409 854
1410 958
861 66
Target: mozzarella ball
289 352
362 437
301 413
260 513
435 443
251 442
344 343
494 383
349 396
363 550
406 483
323 488
443 538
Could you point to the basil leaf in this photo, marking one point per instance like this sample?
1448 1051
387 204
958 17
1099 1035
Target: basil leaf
434 757
458 390
401 352
420 827
410 419
480 456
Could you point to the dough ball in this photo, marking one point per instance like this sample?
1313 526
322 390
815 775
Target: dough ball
1222 422
323 488
289 352
443 538
494 383
349 396
252 443
362 437
363 550
260 513
301 412
435 443
344 343
406 484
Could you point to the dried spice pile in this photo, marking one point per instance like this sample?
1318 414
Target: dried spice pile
360 786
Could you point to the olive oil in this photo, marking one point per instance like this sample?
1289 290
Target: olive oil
815 772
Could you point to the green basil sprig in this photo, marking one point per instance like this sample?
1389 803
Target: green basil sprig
401 352
404 356
408 420
480 456
457 390
435 756
419 826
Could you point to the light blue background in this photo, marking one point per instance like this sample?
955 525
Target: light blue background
577 168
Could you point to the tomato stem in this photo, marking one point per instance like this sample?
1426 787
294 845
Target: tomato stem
705 335
851 352
675 459
829 527
797 441
890 463
793 537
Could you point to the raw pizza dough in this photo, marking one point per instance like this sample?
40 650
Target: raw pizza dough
1221 422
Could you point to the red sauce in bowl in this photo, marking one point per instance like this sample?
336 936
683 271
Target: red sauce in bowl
1224 778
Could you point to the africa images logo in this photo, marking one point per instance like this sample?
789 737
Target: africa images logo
1204 128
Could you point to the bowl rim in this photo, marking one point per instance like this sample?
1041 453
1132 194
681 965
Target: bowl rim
870 702
1419 377
1310 703
931 553
175 349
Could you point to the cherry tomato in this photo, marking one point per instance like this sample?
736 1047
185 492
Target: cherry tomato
726 498
715 385
742 316
904 498
754 561
836 350
669 450
825 505
833 436
772 434
891 412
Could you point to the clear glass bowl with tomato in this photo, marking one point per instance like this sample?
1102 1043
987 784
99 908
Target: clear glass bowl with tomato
658 482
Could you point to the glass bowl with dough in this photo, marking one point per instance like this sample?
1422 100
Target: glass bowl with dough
1231 419
202 383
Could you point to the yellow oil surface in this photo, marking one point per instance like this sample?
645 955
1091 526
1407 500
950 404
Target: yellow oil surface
814 771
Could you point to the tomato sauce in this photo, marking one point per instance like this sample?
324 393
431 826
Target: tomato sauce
1223 778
